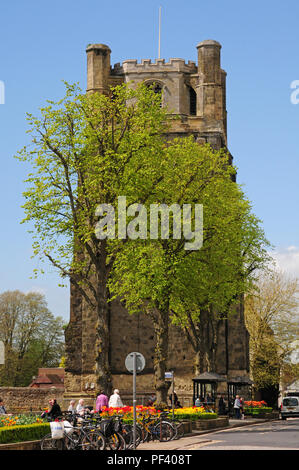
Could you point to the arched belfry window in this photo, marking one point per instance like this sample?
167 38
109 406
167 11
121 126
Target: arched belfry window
157 88
192 101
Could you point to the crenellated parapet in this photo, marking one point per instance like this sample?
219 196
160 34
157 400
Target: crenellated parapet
159 65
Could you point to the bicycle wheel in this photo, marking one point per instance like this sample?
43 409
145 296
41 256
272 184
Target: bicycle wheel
127 434
175 429
73 440
143 432
114 442
47 443
100 441
138 435
180 430
164 431
123 445
87 443
93 439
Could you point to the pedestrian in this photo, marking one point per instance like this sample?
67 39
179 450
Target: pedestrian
101 401
80 407
175 398
237 407
115 400
72 407
151 400
175 401
242 415
55 411
2 407
221 406
197 402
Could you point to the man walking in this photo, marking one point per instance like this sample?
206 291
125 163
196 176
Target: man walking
237 406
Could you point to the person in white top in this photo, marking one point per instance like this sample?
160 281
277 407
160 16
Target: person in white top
80 407
72 406
115 400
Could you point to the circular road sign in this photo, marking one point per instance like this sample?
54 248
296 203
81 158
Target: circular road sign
140 362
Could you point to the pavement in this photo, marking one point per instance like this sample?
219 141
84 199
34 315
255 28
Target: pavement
194 441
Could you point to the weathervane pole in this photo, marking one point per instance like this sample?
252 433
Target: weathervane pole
159 49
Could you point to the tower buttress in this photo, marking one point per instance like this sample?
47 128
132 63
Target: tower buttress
211 87
98 68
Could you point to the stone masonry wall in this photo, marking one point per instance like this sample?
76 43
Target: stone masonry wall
25 399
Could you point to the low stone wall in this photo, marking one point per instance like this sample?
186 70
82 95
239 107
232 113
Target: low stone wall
206 424
26 399
28 445
272 415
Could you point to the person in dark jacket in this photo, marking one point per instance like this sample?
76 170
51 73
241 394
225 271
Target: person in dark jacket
55 410
221 406
176 400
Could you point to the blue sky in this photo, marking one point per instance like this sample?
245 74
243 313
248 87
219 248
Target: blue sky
43 43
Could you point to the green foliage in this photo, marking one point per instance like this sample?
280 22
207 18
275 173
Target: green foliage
208 416
20 419
86 150
194 416
154 276
29 432
256 411
271 314
32 336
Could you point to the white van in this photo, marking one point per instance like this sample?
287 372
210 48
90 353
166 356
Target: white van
289 407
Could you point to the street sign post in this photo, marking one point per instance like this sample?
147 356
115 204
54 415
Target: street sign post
140 362
134 363
170 375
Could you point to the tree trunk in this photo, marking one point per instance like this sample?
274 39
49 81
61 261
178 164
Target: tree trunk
103 343
161 355
197 361
104 379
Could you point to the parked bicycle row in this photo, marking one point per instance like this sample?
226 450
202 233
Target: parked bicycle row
74 431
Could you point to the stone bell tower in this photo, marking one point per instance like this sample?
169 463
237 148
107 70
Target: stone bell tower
196 93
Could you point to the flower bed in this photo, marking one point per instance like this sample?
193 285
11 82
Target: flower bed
7 420
254 408
189 413
22 428
193 413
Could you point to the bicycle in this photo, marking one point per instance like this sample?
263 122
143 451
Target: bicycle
177 425
156 427
113 432
80 436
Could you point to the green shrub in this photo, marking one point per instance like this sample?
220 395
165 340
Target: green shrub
28 432
258 410
208 416
194 416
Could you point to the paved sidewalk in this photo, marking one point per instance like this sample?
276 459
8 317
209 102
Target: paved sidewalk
194 441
